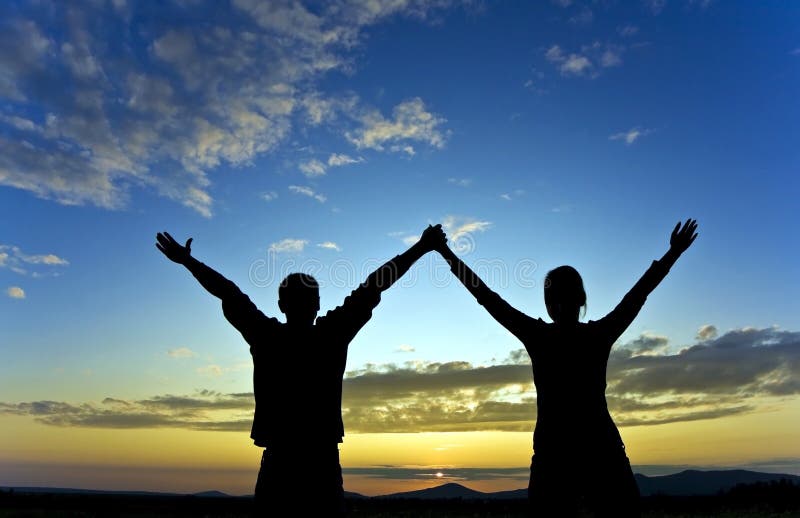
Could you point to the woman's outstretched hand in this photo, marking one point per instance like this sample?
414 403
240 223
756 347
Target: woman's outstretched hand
682 238
172 249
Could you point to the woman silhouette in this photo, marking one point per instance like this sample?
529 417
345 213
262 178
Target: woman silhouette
578 452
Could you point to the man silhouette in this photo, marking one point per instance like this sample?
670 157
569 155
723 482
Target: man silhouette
297 376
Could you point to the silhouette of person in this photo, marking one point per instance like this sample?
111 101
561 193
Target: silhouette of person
578 452
297 377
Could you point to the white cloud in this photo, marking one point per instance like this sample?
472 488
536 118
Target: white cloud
576 65
411 121
610 58
269 196
181 352
312 168
21 123
405 349
13 258
582 64
630 136
410 239
15 292
461 232
461 182
655 6
330 245
555 54
308 191
288 246
336 160
562 208
167 106
214 371
584 17
508 196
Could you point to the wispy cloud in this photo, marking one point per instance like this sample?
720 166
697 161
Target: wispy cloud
630 136
461 231
38 265
170 104
214 371
312 168
461 182
15 292
181 352
330 245
516 193
308 191
269 196
404 348
628 30
582 17
338 159
585 63
610 58
288 246
737 372
568 64
411 122
655 6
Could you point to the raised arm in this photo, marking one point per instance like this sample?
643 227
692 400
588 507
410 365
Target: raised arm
621 317
237 307
357 308
210 279
509 317
388 273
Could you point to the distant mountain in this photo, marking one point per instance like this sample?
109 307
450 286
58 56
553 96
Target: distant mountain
212 494
685 483
69 490
443 492
695 482
78 491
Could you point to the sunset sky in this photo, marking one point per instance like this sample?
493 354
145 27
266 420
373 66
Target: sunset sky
324 137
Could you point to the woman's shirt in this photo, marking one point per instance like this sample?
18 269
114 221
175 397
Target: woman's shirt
569 367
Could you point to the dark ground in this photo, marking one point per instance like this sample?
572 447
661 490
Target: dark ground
757 500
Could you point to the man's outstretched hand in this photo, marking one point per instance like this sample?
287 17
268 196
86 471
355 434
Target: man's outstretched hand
433 238
172 249
682 238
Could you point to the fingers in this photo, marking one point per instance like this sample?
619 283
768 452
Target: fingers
172 239
676 229
163 251
189 243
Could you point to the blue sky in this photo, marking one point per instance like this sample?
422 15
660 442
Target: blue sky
326 136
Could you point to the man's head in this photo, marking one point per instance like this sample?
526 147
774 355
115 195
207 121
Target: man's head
298 298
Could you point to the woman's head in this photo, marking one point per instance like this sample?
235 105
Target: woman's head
564 295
